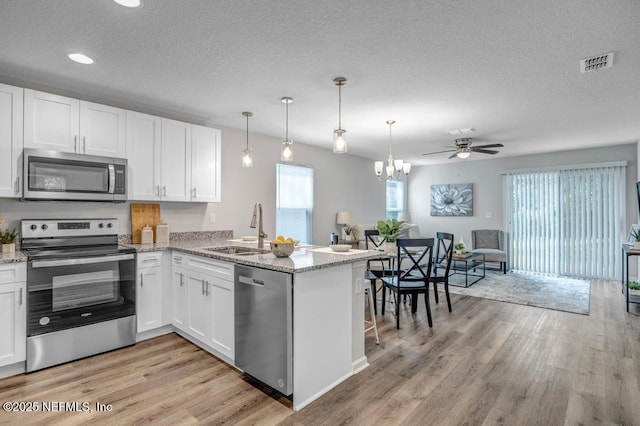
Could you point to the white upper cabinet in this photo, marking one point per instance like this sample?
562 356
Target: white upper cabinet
102 130
205 164
63 124
11 141
143 155
175 167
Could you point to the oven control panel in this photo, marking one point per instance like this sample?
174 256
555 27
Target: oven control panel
34 228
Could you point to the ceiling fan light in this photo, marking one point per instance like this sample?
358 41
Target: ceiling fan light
463 154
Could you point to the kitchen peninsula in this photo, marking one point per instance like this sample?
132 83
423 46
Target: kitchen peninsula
328 300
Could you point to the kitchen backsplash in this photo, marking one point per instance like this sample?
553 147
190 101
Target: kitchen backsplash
186 236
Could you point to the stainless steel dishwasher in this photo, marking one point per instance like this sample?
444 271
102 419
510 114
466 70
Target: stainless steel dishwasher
264 326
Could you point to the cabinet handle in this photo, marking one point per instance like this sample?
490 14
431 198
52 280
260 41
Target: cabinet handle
141 279
164 190
203 287
194 192
84 144
18 185
181 279
158 190
20 297
75 143
208 287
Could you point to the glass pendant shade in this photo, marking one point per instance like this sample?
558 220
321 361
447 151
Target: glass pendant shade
339 142
378 165
287 151
247 158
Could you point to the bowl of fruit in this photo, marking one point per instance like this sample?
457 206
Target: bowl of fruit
282 247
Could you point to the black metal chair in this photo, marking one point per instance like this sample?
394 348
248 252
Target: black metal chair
442 260
411 280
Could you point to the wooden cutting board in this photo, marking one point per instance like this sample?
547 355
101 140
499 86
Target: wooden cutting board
141 216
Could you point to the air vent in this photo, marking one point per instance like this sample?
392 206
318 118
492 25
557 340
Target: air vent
596 62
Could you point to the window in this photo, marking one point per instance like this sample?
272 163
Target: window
395 198
294 202
567 222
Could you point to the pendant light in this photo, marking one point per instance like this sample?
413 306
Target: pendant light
287 144
394 167
339 142
247 154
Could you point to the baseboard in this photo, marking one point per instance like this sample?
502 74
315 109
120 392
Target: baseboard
359 364
13 369
156 332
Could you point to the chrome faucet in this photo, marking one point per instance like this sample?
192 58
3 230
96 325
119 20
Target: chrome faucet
257 211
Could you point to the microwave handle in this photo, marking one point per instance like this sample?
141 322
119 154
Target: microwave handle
112 178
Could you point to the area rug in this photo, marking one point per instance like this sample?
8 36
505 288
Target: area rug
549 292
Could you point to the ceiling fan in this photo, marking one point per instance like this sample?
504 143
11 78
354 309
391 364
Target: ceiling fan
463 148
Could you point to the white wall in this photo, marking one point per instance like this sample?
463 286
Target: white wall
342 182
486 176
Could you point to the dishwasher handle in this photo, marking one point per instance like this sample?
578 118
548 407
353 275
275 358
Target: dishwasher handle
251 281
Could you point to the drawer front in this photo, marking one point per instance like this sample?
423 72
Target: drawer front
148 260
214 268
13 272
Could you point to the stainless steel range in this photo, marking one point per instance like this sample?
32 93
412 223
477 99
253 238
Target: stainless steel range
80 290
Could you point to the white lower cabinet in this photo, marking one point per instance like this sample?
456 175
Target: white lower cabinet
13 313
149 291
203 301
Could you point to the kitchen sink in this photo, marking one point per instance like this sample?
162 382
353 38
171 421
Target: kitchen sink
241 251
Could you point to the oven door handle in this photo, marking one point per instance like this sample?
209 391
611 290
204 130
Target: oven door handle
112 178
80 261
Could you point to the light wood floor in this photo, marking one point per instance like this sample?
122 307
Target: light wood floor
486 363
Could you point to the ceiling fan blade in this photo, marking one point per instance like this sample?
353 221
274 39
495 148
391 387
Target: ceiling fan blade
493 145
484 151
454 155
439 152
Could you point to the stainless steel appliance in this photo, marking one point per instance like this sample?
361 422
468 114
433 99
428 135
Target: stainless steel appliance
80 290
264 326
52 175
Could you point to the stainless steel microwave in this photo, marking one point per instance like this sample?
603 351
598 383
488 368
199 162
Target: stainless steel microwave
53 175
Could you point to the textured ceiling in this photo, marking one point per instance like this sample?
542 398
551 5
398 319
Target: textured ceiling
508 68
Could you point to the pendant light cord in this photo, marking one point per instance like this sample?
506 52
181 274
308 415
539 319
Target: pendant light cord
340 106
286 136
247 131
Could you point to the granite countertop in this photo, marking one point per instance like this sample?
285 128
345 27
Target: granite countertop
16 256
303 259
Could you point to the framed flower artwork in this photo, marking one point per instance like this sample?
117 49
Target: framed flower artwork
452 199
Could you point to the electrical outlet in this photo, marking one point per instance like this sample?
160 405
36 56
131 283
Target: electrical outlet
358 285
488 215
212 218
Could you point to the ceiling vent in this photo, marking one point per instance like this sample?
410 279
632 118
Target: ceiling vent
596 62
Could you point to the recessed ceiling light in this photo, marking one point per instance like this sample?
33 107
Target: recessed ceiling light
129 3
80 58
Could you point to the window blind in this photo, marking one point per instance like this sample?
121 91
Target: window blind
567 221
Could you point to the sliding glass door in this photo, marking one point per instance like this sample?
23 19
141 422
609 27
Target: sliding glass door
567 221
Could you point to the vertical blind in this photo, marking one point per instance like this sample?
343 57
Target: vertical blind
567 221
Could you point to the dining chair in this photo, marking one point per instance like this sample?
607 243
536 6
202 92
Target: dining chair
376 268
411 277
442 260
